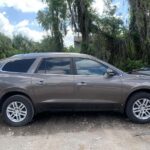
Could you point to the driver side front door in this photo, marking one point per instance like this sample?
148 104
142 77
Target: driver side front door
94 89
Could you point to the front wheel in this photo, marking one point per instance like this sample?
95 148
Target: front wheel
17 110
138 107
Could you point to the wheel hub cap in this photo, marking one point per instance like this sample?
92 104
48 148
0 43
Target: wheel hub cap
141 109
16 111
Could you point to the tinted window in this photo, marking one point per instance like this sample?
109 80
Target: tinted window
18 65
89 67
55 66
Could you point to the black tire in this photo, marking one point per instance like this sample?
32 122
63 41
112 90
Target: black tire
129 107
29 108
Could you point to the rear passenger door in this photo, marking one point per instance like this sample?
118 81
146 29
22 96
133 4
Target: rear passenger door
53 82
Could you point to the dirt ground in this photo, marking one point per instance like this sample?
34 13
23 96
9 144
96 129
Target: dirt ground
76 131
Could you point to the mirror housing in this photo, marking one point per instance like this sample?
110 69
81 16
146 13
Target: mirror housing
110 72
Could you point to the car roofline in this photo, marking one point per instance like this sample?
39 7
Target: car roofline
56 54
50 54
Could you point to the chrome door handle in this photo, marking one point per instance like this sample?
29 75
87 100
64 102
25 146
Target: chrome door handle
82 84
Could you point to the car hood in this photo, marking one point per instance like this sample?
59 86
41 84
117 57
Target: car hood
138 77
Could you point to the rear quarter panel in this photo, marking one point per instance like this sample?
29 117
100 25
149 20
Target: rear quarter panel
16 82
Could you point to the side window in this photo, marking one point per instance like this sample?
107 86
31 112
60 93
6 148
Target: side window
89 67
55 66
22 65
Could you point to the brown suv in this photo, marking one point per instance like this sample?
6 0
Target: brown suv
32 83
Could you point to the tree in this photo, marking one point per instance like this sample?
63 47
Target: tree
81 18
140 27
53 19
5 46
108 40
47 44
22 43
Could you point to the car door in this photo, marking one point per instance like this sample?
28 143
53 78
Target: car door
53 83
94 89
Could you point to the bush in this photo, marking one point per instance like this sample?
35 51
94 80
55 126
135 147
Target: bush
130 65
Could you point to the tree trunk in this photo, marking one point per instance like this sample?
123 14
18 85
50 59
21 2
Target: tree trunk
83 21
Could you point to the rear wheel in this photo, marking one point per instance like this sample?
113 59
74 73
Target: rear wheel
17 110
138 108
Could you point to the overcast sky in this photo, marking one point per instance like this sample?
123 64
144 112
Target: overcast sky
19 17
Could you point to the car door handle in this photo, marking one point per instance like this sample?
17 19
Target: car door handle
41 82
82 84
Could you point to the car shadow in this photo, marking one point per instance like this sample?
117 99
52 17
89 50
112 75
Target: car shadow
59 122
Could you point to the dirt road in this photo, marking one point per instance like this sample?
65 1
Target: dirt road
76 131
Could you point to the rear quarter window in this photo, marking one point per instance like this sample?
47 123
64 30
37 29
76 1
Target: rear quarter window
22 65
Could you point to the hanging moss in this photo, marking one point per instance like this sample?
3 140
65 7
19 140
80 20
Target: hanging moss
140 24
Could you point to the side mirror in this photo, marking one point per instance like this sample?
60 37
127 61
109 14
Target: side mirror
110 73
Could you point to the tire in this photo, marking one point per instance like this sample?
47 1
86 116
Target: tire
17 110
136 108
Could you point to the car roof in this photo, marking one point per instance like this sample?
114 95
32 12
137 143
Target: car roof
52 54
36 55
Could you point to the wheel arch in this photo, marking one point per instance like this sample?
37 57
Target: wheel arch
134 92
9 94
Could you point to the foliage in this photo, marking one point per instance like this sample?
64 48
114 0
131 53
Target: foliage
48 44
140 27
108 39
130 65
5 46
72 49
81 16
104 36
23 43
53 19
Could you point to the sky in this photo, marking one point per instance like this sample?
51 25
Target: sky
19 17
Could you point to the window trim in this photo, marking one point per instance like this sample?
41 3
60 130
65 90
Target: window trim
71 66
11 60
75 67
